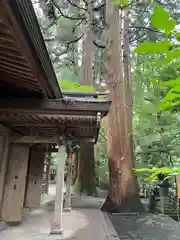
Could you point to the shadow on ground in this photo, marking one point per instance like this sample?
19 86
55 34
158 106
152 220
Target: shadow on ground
86 222
146 227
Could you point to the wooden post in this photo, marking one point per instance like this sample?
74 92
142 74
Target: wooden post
67 205
15 183
4 150
56 228
34 178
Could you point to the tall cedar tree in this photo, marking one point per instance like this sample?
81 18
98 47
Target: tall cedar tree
123 193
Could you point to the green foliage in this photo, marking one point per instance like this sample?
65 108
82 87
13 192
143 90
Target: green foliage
161 20
177 36
156 132
101 155
75 86
121 3
152 174
156 47
171 52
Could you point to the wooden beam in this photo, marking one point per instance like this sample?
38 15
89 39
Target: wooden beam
56 106
7 131
53 140
76 124
4 154
36 139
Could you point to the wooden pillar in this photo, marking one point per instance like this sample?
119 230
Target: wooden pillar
67 205
15 183
56 228
4 151
34 178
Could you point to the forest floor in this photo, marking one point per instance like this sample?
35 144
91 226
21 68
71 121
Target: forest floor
144 226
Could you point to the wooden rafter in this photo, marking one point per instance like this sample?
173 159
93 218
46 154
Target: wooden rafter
67 106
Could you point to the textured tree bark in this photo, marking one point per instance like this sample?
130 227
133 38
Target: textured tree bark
48 164
123 194
86 181
67 203
76 166
46 172
86 68
86 157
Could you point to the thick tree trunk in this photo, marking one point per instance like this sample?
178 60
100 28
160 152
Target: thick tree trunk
76 167
46 175
128 84
86 68
86 181
123 194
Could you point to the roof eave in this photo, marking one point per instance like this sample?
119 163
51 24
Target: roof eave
24 13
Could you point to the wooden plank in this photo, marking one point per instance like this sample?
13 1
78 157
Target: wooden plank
27 33
4 151
55 140
35 139
6 57
6 131
9 65
34 178
56 106
15 183
17 73
13 57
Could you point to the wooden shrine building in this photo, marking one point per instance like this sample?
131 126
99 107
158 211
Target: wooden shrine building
33 110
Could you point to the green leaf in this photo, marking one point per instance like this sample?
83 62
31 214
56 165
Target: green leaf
150 47
177 36
171 55
75 86
142 169
176 90
160 20
166 105
121 3
171 83
170 96
170 26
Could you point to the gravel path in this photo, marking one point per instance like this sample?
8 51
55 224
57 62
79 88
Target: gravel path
146 227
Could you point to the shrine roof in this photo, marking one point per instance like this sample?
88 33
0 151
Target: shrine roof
25 67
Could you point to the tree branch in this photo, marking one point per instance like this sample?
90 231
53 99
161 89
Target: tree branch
85 2
145 28
74 40
75 5
66 16
103 136
98 45
97 26
98 8
49 39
